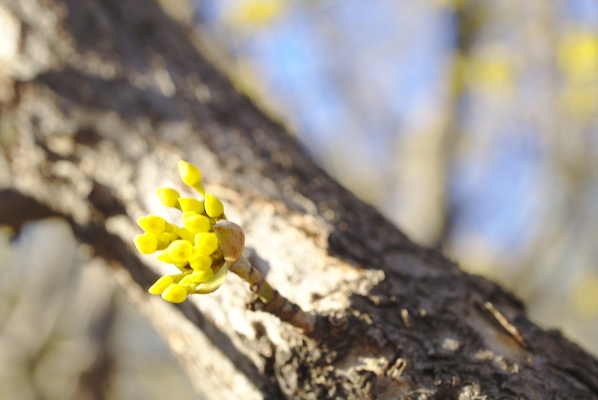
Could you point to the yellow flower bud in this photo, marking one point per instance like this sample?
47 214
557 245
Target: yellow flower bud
166 258
191 205
185 234
168 236
200 262
214 207
198 224
191 176
169 197
175 293
165 238
152 224
188 214
188 283
170 227
146 243
206 243
180 251
202 276
195 246
163 241
161 285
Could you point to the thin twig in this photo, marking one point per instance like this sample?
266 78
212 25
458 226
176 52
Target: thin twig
271 300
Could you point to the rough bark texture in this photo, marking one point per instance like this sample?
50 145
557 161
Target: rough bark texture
101 98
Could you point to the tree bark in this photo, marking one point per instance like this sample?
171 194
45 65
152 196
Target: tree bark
101 98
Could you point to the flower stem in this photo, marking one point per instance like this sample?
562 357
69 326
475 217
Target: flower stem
271 300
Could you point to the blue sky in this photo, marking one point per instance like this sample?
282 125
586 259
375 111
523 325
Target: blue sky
357 73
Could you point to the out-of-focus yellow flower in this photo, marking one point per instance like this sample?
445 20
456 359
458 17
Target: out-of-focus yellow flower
580 100
584 296
578 54
451 4
578 59
255 13
491 68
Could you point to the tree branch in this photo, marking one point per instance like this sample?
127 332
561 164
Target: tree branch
98 119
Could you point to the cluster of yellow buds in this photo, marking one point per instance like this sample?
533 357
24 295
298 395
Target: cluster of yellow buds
193 248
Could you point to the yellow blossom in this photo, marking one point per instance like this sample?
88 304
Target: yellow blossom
166 258
206 243
194 247
214 207
188 214
200 262
191 176
167 237
185 234
175 293
152 224
191 205
251 14
202 276
188 283
197 224
146 243
161 284
180 250
169 197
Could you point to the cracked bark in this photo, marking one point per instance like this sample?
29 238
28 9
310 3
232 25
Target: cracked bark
99 101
